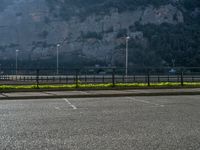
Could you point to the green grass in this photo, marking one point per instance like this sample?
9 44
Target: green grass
98 86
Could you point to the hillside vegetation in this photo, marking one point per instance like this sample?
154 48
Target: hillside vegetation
4 4
167 42
68 8
163 32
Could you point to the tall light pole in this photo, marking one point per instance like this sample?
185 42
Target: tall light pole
16 67
127 39
173 63
57 62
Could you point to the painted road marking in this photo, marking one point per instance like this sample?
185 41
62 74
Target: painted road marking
70 104
57 108
146 102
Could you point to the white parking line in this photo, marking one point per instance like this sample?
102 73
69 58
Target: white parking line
57 108
70 104
147 102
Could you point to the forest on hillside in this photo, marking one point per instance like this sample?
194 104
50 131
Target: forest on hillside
167 42
69 8
4 4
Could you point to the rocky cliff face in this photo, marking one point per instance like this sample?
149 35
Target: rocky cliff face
28 25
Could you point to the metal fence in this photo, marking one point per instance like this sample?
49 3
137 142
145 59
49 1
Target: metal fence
98 75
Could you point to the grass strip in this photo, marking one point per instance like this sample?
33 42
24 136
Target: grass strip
99 86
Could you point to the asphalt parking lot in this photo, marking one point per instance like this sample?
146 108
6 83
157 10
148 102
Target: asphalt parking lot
121 123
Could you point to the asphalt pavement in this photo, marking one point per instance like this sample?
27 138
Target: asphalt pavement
118 123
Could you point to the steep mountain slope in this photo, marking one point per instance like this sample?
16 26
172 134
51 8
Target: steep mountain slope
94 31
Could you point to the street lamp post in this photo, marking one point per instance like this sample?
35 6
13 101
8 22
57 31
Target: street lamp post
127 39
173 63
16 67
57 62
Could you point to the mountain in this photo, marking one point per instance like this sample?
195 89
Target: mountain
93 32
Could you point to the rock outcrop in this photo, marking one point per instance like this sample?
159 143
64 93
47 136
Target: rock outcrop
28 25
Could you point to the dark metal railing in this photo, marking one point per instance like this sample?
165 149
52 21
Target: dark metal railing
99 75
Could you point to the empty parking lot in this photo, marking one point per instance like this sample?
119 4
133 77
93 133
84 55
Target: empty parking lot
167 122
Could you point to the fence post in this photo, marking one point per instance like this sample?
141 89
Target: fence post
76 78
66 79
94 79
113 77
168 78
182 84
85 77
158 78
134 78
148 78
37 78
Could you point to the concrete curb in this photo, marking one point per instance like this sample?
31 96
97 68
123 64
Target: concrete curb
101 95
